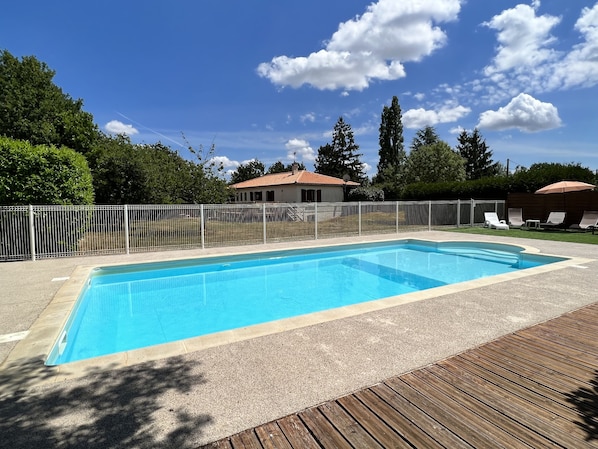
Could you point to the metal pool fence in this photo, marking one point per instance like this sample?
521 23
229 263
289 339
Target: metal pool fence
39 232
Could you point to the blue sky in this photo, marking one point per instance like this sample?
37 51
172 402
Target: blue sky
269 79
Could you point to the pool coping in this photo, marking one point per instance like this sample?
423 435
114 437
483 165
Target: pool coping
37 344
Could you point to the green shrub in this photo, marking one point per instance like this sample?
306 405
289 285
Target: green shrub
366 194
42 174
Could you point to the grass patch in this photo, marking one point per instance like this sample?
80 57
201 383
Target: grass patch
554 235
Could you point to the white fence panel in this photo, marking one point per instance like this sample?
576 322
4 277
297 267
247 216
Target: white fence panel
33 232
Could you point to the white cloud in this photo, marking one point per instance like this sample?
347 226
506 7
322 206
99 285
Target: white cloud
299 150
309 117
418 118
580 66
523 38
118 127
370 47
225 161
523 112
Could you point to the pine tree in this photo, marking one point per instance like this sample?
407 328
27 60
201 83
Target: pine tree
424 137
340 158
478 157
392 152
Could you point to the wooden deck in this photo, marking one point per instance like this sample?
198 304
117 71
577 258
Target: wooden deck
535 388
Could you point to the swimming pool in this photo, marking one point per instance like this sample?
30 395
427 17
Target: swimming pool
134 306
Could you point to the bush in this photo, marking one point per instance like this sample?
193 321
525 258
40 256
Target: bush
42 174
366 194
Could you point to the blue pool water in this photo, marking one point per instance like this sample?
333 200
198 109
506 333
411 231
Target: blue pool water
134 306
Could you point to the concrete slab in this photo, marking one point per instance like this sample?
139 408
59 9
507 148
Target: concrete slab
211 389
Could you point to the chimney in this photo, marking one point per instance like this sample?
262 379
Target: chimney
295 168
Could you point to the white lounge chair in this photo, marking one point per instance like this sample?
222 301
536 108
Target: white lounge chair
516 217
491 221
554 220
589 221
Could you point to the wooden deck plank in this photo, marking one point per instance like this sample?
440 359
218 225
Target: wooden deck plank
537 387
535 384
428 385
324 432
519 391
536 418
407 420
272 437
297 434
245 440
353 432
503 421
371 422
446 417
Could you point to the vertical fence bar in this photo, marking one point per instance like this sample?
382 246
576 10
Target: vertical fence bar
316 221
397 216
202 227
359 217
472 213
126 227
31 232
264 221
429 215
458 213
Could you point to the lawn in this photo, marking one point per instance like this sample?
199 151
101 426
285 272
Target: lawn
557 236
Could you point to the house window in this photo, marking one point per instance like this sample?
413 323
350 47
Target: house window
311 195
270 195
258 196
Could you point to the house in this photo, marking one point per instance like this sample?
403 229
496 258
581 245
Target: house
297 186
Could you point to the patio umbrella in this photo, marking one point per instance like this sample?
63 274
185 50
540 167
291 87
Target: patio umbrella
566 186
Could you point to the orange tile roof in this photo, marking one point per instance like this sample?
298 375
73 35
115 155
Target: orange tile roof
300 177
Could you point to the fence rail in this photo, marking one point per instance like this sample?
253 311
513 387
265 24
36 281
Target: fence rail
39 232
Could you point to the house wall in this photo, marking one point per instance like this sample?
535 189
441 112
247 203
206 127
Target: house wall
290 193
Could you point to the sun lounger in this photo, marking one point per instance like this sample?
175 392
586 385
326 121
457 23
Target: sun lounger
589 221
491 221
554 220
516 217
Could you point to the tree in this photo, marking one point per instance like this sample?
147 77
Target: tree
33 108
425 136
478 157
435 163
42 174
340 158
392 152
279 167
250 170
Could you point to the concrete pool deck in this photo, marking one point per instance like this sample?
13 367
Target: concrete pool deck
215 387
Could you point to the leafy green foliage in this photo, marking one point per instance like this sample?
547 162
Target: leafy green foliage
392 156
478 157
250 170
42 174
541 174
125 173
33 108
436 162
424 137
340 158
366 194
279 167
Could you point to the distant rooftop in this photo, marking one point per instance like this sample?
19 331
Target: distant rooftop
298 177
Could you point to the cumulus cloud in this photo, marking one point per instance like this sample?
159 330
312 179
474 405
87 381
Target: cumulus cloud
226 162
418 118
299 149
523 112
118 127
526 57
523 39
309 117
369 47
580 66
